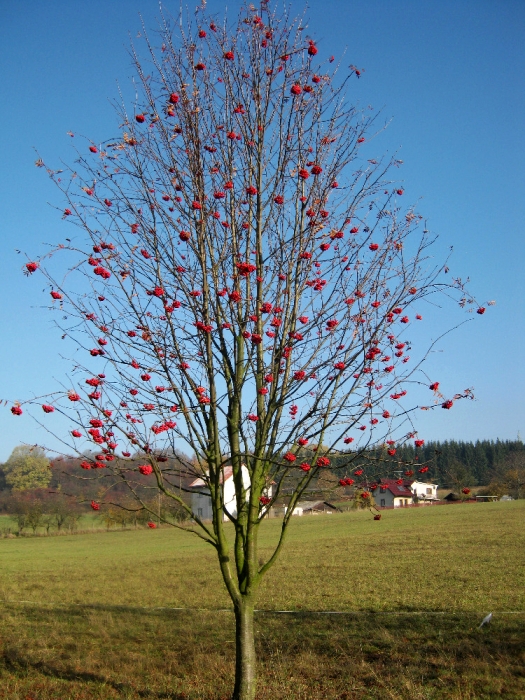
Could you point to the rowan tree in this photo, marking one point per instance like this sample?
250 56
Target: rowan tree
243 286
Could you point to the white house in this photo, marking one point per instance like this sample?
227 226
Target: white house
201 499
425 492
389 493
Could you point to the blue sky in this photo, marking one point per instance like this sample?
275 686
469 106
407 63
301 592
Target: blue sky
451 75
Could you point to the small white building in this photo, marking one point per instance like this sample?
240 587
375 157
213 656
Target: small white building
201 499
424 492
309 508
315 507
305 508
298 510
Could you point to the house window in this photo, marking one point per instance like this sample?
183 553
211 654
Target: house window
382 503
199 512
429 492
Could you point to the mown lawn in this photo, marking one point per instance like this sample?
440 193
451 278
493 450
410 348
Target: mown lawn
87 616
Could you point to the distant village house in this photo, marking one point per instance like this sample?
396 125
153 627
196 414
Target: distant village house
389 493
424 492
306 508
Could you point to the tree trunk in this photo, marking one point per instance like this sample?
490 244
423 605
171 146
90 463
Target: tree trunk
245 670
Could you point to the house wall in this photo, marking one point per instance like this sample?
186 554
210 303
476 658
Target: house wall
401 501
420 490
386 499
383 499
230 502
201 505
201 500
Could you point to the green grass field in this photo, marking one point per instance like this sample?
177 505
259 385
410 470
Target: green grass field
87 616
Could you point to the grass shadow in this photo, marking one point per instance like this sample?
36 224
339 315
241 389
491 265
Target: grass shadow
112 651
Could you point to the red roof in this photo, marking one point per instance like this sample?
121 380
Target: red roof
395 489
199 482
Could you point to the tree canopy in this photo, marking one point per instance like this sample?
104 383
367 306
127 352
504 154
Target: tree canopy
244 284
27 468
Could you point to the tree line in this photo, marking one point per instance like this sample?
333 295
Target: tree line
476 463
449 462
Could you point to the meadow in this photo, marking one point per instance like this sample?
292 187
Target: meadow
144 614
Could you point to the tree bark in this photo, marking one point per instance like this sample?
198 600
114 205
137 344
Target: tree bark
245 668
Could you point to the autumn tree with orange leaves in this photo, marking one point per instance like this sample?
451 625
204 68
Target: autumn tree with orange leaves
243 285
